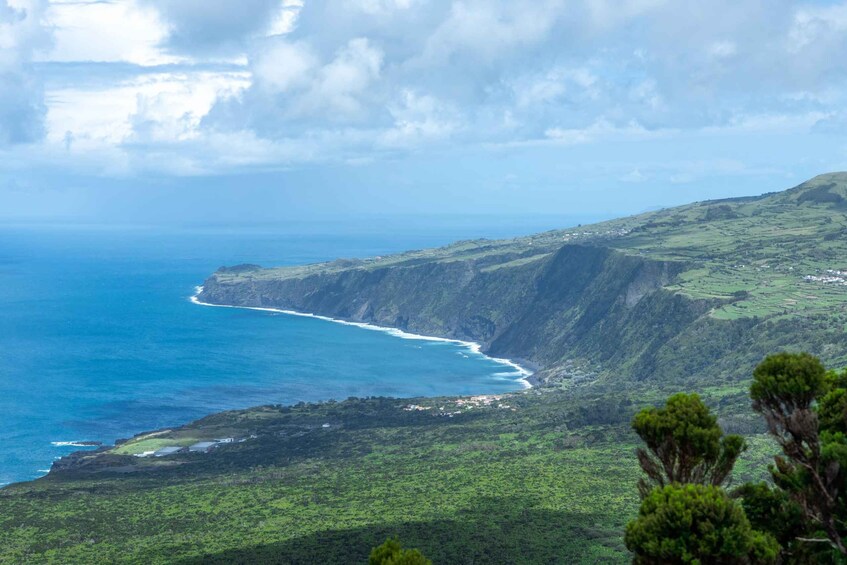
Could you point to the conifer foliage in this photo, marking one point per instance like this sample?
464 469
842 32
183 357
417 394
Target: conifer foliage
696 524
806 412
686 516
684 444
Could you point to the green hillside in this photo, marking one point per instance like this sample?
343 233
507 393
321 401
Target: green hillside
763 246
646 298
617 316
756 252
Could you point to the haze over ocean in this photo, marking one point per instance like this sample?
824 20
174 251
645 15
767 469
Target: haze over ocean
98 340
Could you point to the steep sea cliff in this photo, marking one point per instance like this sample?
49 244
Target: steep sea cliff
698 291
558 310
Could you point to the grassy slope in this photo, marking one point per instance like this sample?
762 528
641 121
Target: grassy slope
551 481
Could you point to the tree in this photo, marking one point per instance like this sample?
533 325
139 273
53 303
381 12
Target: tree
392 553
695 524
805 409
771 510
684 445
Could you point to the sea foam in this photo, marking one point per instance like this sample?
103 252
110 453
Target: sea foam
71 444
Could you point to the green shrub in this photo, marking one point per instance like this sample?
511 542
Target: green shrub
695 524
392 553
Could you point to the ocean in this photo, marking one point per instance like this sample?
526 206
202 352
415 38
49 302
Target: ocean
99 339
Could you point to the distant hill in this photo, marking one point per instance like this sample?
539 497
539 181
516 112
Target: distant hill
698 291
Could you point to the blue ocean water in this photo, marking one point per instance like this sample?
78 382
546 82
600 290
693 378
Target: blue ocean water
99 341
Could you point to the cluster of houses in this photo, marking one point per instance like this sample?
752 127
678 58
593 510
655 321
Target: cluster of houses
464 403
482 400
832 276
619 232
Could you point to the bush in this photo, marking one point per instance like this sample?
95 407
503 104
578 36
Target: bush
695 524
392 553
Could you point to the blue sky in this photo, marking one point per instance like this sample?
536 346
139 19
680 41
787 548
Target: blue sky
273 110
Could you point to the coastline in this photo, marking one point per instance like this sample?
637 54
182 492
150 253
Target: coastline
524 374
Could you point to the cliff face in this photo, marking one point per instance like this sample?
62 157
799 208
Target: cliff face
703 290
584 304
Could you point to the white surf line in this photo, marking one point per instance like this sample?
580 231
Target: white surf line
71 444
470 345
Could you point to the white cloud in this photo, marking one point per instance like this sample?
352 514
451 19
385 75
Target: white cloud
554 84
293 84
352 71
286 17
610 13
816 23
419 118
646 93
600 130
484 30
635 176
352 80
93 30
682 178
171 107
22 32
768 123
383 7
722 49
283 65
166 107
220 28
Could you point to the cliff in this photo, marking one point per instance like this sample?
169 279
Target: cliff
689 292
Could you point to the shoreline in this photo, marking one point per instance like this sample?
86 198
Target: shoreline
523 374
475 348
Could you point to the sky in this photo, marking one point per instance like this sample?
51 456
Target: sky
279 110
